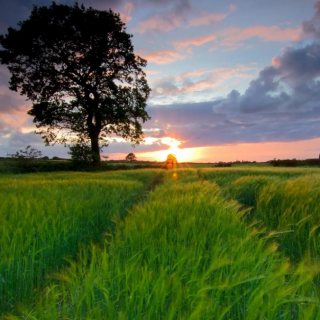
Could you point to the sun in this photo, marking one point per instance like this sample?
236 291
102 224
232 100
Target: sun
182 155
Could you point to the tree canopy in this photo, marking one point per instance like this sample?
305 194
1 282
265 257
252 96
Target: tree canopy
171 159
131 157
78 68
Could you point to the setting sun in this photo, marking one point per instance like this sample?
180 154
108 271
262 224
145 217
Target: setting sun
182 155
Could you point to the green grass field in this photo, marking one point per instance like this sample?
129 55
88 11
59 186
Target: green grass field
193 243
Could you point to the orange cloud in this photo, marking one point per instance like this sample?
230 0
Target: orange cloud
198 41
163 57
208 19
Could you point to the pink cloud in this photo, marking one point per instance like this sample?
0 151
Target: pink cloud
231 37
232 7
177 18
163 56
276 61
151 72
208 19
210 80
198 41
125 15
158 23
273 33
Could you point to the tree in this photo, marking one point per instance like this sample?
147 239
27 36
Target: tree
28 154
80 152
171 161
25 158
131 157
78 67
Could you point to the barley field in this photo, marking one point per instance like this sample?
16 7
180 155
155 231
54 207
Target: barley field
189 243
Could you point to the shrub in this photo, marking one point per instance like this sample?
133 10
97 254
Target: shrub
222 164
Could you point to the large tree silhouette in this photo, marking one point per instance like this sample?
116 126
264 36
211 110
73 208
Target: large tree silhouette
78 67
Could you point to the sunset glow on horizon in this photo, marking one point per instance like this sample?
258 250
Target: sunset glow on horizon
230 81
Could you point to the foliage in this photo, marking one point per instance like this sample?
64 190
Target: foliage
294 162
222 164
25 159
131 157
28 153
80 152
78 67
12 166
171 159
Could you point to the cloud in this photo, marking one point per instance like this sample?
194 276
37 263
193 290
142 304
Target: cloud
22 140
273 33
311 28
208 19
232 7
180 15
162 56
198 41
12 102
290 84
282 104
175 16
125 15
199 80
230 39
14 11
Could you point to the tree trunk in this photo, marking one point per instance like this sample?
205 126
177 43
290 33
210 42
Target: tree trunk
95 150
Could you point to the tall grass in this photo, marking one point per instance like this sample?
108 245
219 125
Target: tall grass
45 217
224 176
186 253
286 200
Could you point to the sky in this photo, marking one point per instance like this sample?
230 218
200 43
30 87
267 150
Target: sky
236 80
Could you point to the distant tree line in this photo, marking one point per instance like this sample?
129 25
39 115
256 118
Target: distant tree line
294 162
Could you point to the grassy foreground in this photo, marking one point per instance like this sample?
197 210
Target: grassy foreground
230 243
44 218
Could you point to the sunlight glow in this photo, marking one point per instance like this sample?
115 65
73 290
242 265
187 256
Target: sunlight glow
303 149
182 155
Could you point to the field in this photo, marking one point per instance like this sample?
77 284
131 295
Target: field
191 243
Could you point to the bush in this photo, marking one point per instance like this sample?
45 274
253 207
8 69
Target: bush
24 160
294 162
222 164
